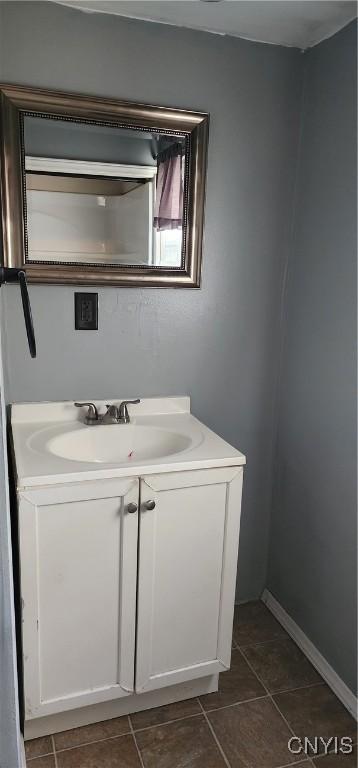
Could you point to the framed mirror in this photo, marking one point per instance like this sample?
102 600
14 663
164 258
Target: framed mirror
96 191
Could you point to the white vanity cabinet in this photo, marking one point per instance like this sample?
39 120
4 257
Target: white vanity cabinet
127 584
187 573
78 553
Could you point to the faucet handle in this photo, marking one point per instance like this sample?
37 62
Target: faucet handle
123 410
92 413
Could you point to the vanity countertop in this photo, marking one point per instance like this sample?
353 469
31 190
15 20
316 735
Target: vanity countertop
52 445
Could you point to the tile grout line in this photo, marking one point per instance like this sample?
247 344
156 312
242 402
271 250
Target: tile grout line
273 702
223 755
54 750
277 639
289 765
236 703
135 742
298 688
167 722
87 743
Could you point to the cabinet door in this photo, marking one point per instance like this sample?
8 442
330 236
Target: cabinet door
187 573
78 582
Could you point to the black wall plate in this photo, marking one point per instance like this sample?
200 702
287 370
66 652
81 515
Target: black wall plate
86 311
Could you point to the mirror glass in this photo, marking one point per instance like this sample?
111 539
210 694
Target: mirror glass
102 194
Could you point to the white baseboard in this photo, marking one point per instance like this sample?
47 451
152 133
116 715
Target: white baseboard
343 693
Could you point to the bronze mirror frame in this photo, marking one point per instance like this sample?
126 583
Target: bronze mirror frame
18 101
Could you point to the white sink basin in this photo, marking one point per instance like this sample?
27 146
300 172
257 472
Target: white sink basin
52 445
117 443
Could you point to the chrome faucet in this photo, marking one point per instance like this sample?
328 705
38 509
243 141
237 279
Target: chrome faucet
118 414
115 414
111 415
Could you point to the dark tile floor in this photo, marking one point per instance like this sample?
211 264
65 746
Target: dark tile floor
270 693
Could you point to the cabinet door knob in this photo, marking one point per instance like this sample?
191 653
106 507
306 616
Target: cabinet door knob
149 505
131 507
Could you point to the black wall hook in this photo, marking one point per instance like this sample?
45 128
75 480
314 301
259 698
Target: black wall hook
14 275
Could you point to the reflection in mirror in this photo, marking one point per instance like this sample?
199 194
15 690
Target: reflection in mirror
98 194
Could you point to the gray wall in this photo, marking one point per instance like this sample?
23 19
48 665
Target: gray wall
220 344
313 549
